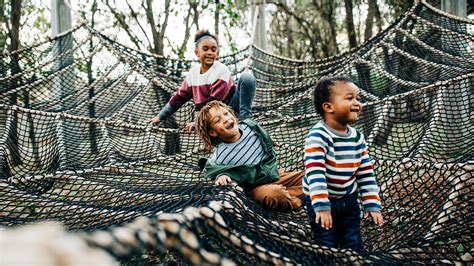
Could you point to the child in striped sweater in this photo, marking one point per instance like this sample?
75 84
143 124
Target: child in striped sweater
243 152
338 168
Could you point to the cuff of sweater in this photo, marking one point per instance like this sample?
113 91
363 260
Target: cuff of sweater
321 208
166 112
372 209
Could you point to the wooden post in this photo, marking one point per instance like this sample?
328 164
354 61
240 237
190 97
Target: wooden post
455 7
64 84
259 25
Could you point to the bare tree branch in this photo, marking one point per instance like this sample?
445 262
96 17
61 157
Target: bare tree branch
158 36
121 20
163 26
135 16
182 48
195 16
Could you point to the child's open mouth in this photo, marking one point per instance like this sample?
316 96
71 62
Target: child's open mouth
230 125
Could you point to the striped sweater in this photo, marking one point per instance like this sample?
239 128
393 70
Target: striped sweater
248 150
216 84
338 164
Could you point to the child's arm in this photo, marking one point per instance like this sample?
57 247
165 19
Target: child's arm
315 165
176 101
376 216
223 180
368 187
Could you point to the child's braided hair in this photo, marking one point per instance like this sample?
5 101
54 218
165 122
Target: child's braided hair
203 124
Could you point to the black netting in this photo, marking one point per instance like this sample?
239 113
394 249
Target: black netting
74 147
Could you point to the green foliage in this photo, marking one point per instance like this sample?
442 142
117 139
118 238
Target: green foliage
379 83
460 249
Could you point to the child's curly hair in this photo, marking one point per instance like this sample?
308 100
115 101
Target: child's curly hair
201 34
322 91
203 124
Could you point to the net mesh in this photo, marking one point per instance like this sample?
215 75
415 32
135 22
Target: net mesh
74 147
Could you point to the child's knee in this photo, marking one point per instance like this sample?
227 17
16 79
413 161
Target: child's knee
247 79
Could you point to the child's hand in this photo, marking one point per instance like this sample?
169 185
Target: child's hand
376 216
223 180
154 120
190 127
326 219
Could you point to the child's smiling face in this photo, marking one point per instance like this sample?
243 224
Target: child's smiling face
207 51
345 102
224 125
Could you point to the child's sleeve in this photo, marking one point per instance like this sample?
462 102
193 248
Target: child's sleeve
315 171
176 101
365 179
221 88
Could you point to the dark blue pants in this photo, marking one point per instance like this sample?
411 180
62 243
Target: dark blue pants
242 100
345 231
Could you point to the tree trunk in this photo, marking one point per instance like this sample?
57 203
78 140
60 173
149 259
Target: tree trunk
161 37
378 17
15 68
90 80
15 22
327 29
3 36
331 25
182 48
350 24
216 18
369 22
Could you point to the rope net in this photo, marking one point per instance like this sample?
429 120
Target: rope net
74 147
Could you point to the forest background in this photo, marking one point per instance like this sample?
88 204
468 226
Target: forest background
298 29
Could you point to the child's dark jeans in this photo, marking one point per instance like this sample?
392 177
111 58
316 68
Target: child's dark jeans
242 100
345 231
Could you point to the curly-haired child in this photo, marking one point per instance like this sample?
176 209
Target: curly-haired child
338 168
243 152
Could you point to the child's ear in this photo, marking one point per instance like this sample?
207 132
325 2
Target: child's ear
327 107
196 51
212 133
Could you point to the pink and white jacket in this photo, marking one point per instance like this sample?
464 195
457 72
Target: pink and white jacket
216 84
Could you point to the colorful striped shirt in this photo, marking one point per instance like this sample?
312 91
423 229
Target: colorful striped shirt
216 84
338 164
248 150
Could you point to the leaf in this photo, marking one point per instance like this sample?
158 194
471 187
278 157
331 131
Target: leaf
460 249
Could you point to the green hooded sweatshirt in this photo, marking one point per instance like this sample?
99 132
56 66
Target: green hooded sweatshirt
249 176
